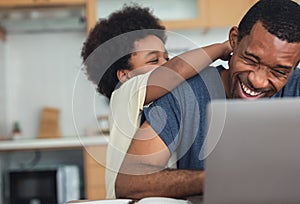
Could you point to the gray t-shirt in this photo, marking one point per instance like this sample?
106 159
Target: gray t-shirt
179 117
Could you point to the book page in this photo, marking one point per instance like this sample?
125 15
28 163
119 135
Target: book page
116 201
149 200
161 200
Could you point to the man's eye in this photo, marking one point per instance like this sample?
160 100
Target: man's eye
283 73
280 73
167 58
250 61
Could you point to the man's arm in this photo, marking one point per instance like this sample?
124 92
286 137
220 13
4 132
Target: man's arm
144 174
184 66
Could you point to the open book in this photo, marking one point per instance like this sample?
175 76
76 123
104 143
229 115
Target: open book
149 200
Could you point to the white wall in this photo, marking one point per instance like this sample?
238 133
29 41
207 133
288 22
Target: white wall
182 40
3 130
40 71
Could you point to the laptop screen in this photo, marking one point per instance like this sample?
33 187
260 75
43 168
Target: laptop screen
255 158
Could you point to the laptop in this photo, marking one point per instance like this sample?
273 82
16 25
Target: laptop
256 157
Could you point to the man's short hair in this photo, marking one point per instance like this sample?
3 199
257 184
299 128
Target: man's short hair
280 17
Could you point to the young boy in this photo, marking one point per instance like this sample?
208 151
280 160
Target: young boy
137 76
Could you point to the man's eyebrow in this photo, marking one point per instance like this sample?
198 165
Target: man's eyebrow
284 66
252 55
258 59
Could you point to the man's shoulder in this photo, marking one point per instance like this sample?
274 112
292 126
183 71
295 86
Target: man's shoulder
294 80
296 72
292 87
197 84
199 87
208 74
209 83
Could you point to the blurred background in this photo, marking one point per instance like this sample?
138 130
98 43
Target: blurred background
41 67
41 44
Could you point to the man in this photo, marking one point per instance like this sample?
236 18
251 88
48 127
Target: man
266 52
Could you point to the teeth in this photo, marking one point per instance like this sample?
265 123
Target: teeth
250 92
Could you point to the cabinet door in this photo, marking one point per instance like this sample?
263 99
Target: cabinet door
94 162
225 13
188 22
32 3
88 5
175 14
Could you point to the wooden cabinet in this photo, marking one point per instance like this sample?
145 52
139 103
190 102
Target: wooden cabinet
191 14
2 34
214 13
197 21
91 149
94 162
224 13
89 6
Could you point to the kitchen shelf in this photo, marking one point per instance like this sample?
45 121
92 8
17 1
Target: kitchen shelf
37 3
37 7
61 143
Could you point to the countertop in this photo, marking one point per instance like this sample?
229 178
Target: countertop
52 143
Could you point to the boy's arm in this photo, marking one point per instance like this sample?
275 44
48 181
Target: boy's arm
144 174
166 77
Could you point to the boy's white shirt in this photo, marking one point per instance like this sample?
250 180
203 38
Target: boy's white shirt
126 106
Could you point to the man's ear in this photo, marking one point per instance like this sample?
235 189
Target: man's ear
123 75
233 37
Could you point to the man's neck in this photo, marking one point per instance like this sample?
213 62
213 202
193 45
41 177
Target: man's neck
224 77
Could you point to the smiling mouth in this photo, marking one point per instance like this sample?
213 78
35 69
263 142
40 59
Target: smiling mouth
248 91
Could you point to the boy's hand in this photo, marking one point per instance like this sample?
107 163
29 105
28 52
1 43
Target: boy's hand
227 50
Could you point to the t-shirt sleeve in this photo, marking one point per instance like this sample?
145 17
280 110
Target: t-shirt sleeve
168 114
127 103
164 117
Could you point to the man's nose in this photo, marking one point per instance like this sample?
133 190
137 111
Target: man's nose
259 78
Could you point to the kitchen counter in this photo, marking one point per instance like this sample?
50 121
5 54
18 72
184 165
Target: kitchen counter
53 143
